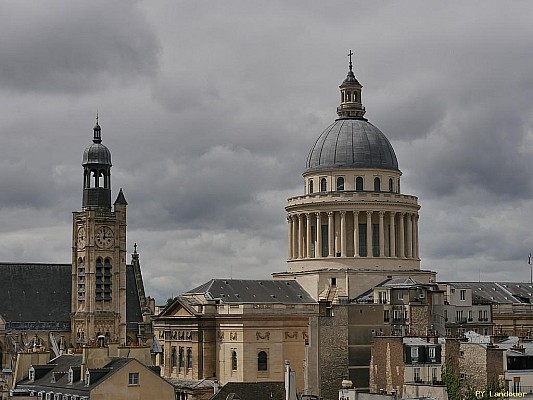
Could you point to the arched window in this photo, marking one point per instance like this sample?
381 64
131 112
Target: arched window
233 360
182 358
189 358
311 189
173 358
398 187
262 361
390 185
340 183
377 184
359 184
323 185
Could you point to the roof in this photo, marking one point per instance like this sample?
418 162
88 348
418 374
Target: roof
36 293
498 292
60 366
253 291
351 143
191 384
37 296
252 390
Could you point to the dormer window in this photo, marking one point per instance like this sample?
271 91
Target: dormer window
70 376
31 374
87 378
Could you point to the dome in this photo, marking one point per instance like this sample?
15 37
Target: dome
97 153
351 143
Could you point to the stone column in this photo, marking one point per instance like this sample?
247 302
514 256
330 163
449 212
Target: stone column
331 235
369 252
409 236
415 231
402 237
356 233
308 238
289 247
343 233
381 235
392 238
294 237
300 236
318 247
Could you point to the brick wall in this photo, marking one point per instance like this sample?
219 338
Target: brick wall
386 366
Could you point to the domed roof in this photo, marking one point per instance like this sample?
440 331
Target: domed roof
97 153
351 143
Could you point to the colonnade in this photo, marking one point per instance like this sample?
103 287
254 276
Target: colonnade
353 234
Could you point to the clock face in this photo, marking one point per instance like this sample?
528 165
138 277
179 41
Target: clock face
104 237
81 237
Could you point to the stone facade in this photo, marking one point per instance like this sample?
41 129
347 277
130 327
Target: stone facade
387 365
481 366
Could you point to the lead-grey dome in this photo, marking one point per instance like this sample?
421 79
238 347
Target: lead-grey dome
97 153
351 143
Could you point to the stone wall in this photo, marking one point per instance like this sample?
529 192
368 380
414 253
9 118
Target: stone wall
386 366
333 352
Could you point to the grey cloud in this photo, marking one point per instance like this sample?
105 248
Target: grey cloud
74 46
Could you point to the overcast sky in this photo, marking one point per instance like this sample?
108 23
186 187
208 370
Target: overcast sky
210 108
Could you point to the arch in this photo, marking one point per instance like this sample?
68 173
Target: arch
377 184
311 189
391 185
262 361
323 185
233 360
359 184
340 183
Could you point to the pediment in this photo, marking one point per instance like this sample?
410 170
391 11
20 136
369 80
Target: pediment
178 308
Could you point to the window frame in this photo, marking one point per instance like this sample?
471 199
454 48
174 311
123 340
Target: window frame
133 379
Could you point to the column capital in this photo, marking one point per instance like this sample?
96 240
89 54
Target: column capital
300 217
330 213
308 215
369 213
342 212
392 213
381 214
402 213
317 214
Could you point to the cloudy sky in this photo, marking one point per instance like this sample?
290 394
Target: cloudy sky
210 107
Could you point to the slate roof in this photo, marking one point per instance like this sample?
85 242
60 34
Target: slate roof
34 292
498 292
60 366
37 296
253 291
252 390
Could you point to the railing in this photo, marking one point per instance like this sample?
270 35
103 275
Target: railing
352 195
38 326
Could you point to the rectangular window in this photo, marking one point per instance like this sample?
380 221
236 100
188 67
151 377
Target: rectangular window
417 374
414 353
325 241
463 294
434 377
133 379
362 240
480 315
458 316
375 240
396 315
470 315
385 315
485 315
432 353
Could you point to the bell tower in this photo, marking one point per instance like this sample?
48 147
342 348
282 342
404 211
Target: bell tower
98 252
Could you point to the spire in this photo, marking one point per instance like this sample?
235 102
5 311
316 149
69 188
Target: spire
351 106
97 138
120 198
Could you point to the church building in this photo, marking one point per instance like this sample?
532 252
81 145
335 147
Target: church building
66 306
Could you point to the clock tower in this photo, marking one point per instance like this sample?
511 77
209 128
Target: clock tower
98 253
